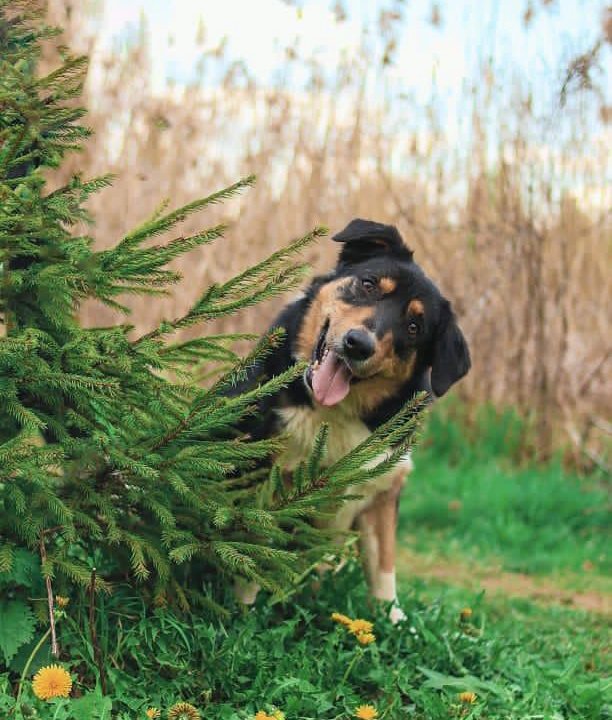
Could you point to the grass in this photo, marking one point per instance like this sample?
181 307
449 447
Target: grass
522 660
470 500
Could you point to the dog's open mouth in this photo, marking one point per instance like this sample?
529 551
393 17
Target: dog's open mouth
328 375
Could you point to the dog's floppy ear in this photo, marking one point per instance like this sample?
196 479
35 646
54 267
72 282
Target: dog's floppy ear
450 356
364 238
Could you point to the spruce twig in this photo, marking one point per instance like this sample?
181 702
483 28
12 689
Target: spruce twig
92 630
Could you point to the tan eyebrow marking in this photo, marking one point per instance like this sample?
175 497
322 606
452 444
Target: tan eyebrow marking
416 307
387 285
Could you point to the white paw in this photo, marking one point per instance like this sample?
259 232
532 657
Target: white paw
396 614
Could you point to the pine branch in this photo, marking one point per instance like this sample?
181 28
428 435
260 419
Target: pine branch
111 441
160 225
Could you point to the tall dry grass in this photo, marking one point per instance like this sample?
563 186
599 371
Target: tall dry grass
495 219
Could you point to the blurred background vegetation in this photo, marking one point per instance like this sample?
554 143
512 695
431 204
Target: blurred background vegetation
479 130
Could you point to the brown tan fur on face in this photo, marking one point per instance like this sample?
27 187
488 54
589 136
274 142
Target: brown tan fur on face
388 364
416 307
342 316
348 317
322 305
387 285
391 373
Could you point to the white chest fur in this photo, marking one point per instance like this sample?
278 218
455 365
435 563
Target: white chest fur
301 424
346 431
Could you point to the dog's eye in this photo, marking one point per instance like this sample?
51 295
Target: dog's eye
368 284
413 328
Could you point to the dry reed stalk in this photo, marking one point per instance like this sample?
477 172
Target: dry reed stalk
492 221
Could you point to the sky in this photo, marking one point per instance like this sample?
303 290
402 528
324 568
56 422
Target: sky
257 32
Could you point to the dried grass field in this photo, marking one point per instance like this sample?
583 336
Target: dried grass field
506 205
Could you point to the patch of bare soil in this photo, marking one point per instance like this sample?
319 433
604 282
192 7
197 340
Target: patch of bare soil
499 582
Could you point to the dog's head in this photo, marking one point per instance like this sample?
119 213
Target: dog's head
376 319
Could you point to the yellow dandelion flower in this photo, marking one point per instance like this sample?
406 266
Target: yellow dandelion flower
152 713
262 715
366 712
51 682
360 626
183 711
340 618
467 697
466 613
366 638
61 601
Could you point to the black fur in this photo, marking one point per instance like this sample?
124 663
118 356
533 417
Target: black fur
450 359
373 250
364 239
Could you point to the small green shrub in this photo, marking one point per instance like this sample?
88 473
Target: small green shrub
112 455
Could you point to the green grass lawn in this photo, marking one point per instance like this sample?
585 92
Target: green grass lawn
468 506
469 501
521 660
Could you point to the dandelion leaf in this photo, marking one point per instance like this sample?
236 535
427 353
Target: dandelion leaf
17 625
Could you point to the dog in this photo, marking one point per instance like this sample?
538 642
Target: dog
375 331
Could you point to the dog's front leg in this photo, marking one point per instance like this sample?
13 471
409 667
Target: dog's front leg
378 525
246 591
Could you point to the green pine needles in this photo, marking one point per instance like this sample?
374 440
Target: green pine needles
111 453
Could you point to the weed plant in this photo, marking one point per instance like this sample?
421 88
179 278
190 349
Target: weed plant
519 660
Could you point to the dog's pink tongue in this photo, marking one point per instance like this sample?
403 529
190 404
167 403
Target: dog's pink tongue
331 380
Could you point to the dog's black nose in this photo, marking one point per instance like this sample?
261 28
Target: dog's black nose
358 345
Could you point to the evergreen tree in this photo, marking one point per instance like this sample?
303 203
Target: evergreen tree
110 451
